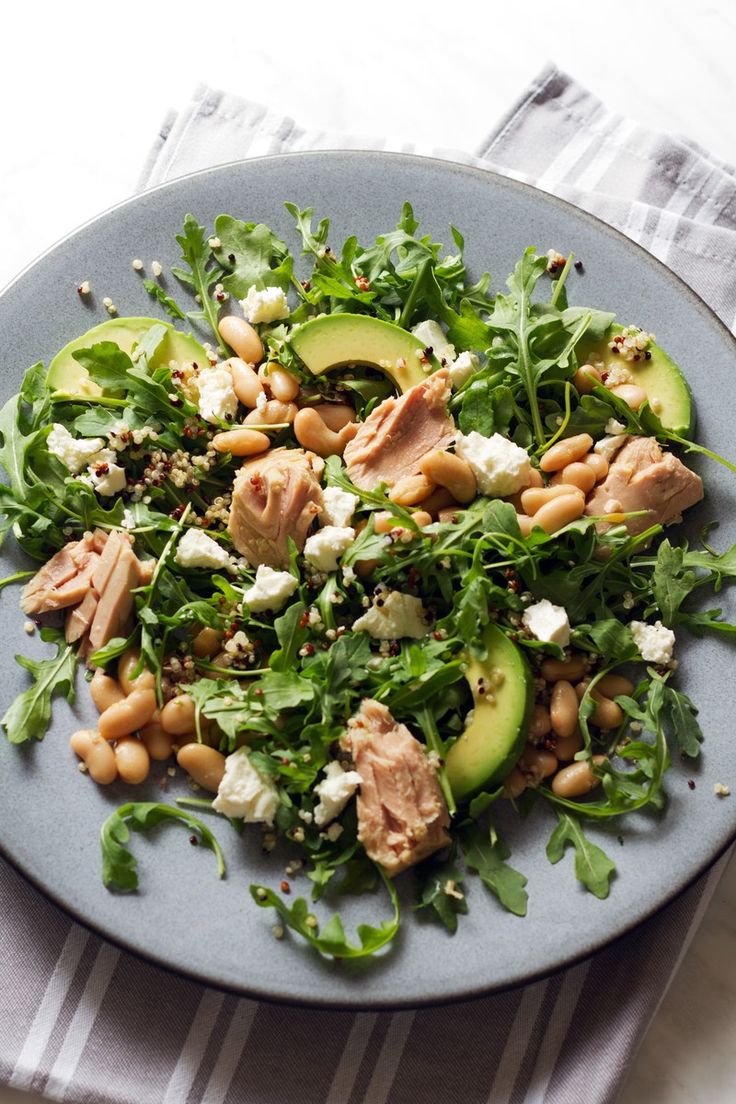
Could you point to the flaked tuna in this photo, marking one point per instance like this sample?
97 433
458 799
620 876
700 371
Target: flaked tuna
115 605
276 496
643 477
63 581
402 815
393 439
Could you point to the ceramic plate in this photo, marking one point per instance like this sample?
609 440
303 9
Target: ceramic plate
183 917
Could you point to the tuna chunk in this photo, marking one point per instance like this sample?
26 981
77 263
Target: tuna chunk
63 581
402 815
116 600
275 496
643 477
393 439
79 619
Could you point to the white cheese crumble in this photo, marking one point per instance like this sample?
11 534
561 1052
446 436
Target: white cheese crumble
655 642
334 792
607 447
246 793
500 467
339 506
548 622
270 590
614 428
462 368
217 400
104 475
266 305
74 454
433 337
393 616
325 547
196 549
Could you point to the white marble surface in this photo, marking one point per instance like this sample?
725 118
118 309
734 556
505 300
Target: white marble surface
84 87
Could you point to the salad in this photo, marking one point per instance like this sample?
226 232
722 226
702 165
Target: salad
363 556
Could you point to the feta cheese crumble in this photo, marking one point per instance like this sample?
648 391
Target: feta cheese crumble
548 622
246 793
393 616
500 467
217 399
339 506
334 792
614 428
462 368
433 337
266 305
607 447
196 549
325 547
270 590
104 475
74 454
655 642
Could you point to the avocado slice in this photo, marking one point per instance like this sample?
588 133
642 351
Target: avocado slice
68 377
341 339
491 744
667 390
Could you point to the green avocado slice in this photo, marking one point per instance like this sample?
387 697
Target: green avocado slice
336 340
67 376
491 744
667 390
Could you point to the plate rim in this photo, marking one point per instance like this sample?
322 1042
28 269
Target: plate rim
483 989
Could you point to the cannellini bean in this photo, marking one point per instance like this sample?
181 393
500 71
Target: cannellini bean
312 433
273 413
335 415
438 500
127 664
206 643
576 474
567 747
536 478
632 395
598 464
535 497
241 441
515 784
282 384
571 669
536 764
445 469
560 512
177 716
96 754
411 490
586 378
132 760
206 765
577 779
422 518
158 743
608 714
246 384
540 724
612 685
126 716
566 452
104 690
242 338
563 708
526 524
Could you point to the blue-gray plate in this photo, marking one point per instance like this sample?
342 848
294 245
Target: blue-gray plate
183 917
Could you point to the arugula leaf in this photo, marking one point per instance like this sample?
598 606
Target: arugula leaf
169 304
15 448
672 583
29 715
487 855
679 716
330 939
106 363
439 890
592 866
118 862
252 255
291 634
610 638
199 274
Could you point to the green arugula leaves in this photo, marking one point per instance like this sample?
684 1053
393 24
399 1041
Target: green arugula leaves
118 862
28 717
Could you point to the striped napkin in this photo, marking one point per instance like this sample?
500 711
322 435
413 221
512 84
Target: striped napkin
81 1021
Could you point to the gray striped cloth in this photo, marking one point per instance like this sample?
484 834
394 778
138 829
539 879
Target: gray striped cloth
81 1021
